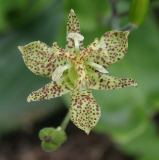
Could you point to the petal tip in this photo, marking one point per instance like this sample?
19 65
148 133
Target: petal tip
28 99
135 85
19 47
127 33
87 131
72 11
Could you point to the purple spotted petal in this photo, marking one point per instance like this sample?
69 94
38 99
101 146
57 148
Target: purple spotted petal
84 110
51 90
106 82
36 55
73 26
116 47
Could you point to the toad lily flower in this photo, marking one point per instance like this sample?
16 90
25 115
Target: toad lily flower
77 70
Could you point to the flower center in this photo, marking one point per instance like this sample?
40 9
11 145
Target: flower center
76 66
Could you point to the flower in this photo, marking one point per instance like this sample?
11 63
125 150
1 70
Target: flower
77 70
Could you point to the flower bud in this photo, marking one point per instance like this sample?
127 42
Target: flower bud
49 147
52 138
138 11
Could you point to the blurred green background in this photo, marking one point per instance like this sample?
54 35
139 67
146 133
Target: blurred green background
127 114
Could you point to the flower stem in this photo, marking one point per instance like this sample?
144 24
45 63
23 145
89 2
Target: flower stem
129 26
65 121
115 17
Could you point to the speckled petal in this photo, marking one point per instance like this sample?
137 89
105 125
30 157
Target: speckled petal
73 26
35 56
51 90
106 82
116 47
84 110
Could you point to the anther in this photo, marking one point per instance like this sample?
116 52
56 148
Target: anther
76 37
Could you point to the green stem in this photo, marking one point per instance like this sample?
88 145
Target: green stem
129 26
115 17
65 121
115 22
